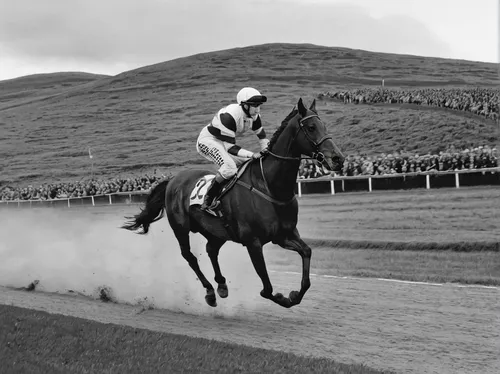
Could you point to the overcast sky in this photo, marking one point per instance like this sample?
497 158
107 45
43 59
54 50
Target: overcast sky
112 36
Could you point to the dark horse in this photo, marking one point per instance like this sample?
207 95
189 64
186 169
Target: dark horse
260 207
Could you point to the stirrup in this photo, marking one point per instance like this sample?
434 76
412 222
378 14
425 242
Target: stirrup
213 205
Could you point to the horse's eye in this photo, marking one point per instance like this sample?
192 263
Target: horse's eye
311 128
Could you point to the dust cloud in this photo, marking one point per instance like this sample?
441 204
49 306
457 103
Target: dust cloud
84 250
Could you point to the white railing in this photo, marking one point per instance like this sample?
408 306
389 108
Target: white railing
369 178
93 200
133 197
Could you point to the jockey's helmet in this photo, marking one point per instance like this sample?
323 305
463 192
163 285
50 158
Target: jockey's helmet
249 95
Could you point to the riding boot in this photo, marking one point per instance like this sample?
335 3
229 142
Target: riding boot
213 191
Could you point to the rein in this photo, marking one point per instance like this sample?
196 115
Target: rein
262 194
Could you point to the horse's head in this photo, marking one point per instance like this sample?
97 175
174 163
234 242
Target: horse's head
312 138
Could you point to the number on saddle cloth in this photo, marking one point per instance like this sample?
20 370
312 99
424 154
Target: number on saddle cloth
200 189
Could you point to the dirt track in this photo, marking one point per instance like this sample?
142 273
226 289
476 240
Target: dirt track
408 328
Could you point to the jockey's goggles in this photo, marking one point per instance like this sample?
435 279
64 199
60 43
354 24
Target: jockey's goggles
253 105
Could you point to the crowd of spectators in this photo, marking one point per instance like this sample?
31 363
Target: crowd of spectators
480 101
81 188
450 159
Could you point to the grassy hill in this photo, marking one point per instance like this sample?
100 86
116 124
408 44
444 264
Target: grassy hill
150 117
19 91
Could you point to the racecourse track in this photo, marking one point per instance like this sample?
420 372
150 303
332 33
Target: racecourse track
401 326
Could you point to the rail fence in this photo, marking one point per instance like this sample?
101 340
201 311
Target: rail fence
322 185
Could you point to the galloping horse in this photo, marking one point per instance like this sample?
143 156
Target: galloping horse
259 208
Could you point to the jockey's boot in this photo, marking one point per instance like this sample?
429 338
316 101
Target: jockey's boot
213 191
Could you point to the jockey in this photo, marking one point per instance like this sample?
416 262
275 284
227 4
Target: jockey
217 140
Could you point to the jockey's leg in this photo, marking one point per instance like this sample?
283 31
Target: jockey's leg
213 191
213 150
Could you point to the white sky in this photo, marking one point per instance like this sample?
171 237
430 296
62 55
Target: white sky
112 36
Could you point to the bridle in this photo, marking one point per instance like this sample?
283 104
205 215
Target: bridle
316 154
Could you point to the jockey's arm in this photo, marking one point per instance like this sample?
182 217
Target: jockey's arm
260 132
236 150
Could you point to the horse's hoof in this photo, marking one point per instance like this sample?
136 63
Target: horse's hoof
282 300
279 296
222 290
294 297
266 294
211 299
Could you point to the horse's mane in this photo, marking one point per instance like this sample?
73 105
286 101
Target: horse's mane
280 129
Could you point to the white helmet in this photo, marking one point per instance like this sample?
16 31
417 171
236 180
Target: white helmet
250 95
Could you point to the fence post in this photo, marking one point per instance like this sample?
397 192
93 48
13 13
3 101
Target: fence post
343 187
300 189
370 184
427 181
332 187
93 202
457 182
69 205
109 199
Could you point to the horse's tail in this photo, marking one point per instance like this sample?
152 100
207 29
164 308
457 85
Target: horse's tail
153 210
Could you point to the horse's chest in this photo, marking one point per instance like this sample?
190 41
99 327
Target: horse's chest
286 218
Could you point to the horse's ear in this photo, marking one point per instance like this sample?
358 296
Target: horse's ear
313 106
302 108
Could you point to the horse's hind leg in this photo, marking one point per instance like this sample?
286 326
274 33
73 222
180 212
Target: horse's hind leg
213 247
183 238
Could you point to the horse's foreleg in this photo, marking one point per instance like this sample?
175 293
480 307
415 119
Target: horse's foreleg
257 257
293 242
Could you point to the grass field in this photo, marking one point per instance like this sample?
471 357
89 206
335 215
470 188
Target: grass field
149 117
417 219
38 342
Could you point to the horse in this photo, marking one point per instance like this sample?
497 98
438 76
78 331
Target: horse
259 208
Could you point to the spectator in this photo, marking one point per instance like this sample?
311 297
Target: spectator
79 189
480 101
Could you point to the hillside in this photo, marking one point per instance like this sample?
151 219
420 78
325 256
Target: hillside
19 91
150 117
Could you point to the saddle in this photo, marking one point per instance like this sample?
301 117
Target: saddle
201 187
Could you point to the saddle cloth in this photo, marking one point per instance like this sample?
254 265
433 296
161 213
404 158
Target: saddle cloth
200 189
